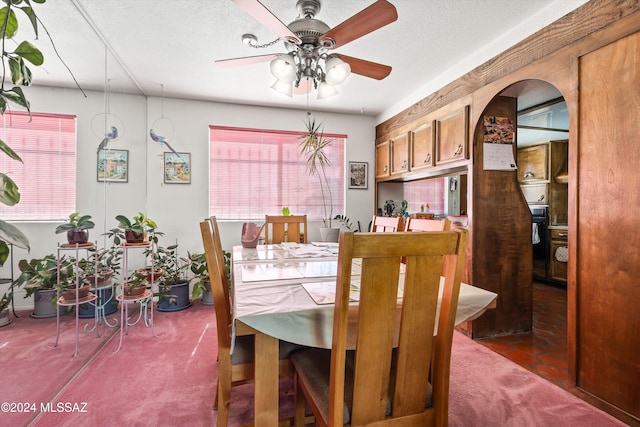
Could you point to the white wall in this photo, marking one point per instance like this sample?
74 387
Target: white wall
176 208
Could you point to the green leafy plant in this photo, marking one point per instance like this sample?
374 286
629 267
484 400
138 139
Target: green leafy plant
312 147
103 263
346 222
173 268
139 224
16 64
42 273
200 273
76 222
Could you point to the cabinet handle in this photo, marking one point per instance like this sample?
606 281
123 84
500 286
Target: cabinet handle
458 151
541 198
528 174
386 168
562 234
427 159
404 164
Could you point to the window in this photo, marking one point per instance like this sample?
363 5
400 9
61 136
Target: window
47 177
430 191
256 172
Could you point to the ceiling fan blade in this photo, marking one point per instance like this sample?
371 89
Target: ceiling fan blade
245 60
376 16
268 19
366 68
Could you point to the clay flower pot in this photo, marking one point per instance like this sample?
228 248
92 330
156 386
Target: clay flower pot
77 236
134 236
70 294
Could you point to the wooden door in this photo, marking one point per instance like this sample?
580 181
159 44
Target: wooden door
608 249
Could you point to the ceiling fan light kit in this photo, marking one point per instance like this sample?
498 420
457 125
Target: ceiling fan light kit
285 88
308 41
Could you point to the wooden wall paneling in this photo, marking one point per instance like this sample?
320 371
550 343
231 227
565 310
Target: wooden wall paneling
592 26
608 252
576 25
502 260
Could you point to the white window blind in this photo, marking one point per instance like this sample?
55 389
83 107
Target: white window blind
256 172
47 177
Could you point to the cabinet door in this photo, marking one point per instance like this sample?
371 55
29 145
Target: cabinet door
452 136
382 160
535 194
559 253
422 142
533 163
400 154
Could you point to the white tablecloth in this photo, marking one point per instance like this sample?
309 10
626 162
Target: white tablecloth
279 305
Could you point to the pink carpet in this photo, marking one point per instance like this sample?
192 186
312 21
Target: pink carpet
169 380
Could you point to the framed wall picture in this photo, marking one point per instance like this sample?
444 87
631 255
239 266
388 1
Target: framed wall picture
113 165
177 168
358 175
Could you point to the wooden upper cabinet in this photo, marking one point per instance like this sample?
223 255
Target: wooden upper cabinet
422 144
452 136
400 154
383 164
533 164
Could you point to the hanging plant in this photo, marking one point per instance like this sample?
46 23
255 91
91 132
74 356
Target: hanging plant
17 67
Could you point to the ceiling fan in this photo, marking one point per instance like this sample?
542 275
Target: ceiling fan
309 41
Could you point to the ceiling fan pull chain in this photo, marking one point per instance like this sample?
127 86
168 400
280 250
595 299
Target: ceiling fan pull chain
252 41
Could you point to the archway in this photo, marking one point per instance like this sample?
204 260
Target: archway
533 265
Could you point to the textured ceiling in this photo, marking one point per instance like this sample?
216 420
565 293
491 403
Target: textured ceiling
151 46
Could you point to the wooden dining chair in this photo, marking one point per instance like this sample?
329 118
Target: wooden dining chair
290 228
419 224
233 368
385 224
398 373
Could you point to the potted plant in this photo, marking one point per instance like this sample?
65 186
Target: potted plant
69 284
77 228
173 292
346 223
5 301
99 270
139 230
39 277
135 285
312 147
200 278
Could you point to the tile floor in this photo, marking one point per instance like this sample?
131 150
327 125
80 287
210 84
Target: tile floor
543 351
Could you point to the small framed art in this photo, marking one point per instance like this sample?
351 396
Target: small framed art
177 168
358 175
113 165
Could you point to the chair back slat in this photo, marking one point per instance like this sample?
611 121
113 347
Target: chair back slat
280 228
420 224
385 224
407 321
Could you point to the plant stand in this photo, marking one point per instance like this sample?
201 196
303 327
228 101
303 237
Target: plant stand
62 302
145 300
105 305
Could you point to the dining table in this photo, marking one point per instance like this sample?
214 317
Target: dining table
286 292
